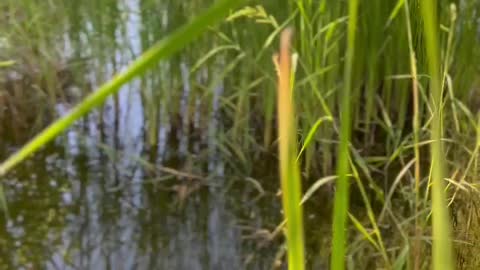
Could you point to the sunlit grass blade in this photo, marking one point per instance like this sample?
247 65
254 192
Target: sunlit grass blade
340 208
373 221
401 259
442 245
289 171
363 231
165 48
318 184
311 134
8 63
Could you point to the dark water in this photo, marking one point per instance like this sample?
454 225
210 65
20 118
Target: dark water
100 197
75 207
103 196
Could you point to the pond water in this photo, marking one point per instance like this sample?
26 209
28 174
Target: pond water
77 208
103 196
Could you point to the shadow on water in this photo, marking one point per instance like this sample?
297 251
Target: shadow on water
142 183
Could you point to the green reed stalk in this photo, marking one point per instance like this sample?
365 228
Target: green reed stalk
442 245
289 171
163 49
417 249
340 207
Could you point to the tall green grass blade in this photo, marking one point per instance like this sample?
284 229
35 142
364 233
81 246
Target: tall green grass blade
401 260
376 231
311 134
442 244
417 249
212 53
363 231
395 11
165 48
289 170
340 208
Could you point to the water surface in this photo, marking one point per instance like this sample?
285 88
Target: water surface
145 182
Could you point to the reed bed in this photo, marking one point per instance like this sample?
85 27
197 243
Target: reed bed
379 92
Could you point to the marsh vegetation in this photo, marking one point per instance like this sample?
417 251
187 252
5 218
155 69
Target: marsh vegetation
148 134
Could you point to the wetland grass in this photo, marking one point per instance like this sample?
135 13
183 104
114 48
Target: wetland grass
340 208
442 244
287 148
393 79
162 49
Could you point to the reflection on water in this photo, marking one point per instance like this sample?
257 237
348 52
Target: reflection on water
92 201
113 194
90 211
